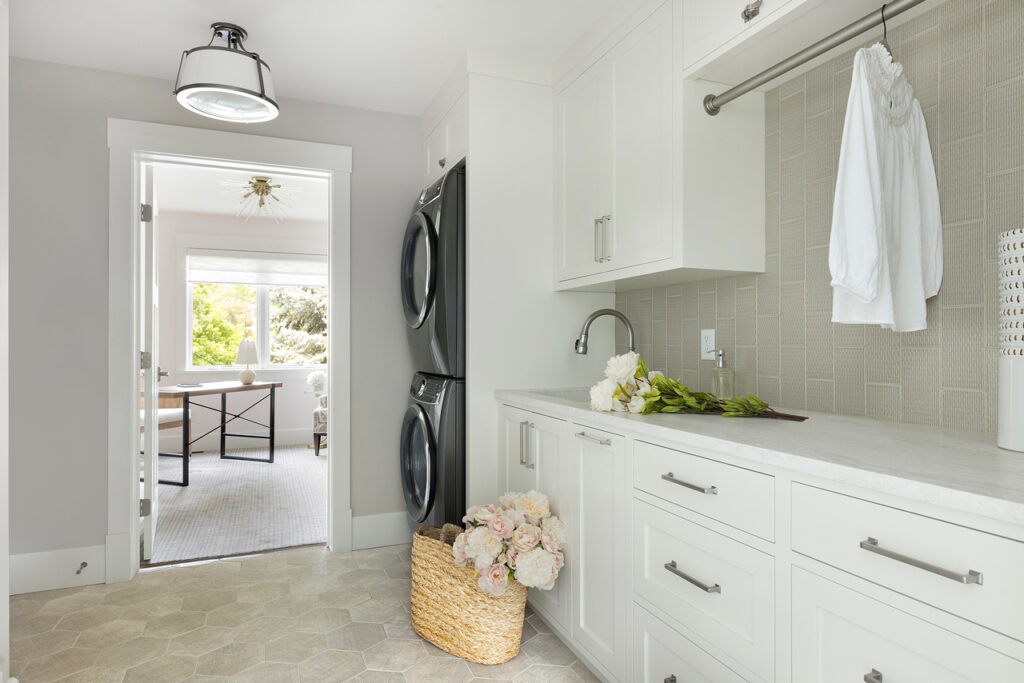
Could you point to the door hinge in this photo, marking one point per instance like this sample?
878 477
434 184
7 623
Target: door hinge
145 360
145 507
146 213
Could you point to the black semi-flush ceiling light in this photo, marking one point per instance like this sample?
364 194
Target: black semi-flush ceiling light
226 83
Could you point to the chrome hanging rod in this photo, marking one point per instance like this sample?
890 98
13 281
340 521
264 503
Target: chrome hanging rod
714 103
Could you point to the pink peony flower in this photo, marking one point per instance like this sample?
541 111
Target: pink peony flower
459 550
470 515
510 557
493 579
501 526
526 537
485 513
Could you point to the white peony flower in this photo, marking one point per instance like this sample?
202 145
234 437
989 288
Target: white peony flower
555 529
508 501
636 404
537 569
622 369
534 505
643 387
602 395
653 374
482 546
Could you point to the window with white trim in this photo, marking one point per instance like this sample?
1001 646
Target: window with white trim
278 300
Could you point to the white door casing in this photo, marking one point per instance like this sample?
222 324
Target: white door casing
131 142
150 318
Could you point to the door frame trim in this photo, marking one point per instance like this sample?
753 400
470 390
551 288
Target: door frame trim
129 142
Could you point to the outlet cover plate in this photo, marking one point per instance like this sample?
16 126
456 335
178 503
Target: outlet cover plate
707 344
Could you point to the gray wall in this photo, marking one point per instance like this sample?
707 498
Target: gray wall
965 60
59 278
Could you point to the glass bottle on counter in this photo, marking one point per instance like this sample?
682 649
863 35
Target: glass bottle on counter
722 378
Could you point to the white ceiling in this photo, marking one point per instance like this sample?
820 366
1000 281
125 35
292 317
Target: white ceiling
384 55
198 189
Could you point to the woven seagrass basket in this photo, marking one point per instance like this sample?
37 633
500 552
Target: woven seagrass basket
449 609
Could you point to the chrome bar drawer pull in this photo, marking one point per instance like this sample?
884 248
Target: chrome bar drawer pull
522 442
671 566
871 545
874 677
671 679
712 490
530 463
593 439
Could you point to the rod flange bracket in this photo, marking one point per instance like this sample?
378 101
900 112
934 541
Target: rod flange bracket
709 105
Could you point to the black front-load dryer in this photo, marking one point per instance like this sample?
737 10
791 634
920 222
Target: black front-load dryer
433 450
433 276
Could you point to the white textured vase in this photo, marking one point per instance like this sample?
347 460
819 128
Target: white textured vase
1011 340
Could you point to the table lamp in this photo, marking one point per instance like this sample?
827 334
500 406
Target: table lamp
247 356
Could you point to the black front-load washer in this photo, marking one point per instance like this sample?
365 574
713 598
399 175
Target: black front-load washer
432 456
433 276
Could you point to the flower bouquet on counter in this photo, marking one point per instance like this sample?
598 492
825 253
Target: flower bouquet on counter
469 584
518 539
630 386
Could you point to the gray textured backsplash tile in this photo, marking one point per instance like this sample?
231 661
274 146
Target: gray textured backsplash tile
965 60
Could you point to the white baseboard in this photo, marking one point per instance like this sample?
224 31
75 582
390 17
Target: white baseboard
295 436
374 531
32 572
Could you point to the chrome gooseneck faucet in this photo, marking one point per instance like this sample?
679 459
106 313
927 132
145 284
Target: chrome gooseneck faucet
581 343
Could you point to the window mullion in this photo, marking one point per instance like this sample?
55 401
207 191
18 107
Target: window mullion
263 324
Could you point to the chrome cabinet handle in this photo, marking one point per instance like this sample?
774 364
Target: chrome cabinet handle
530 463
605 220
671 566
871 545
671 679
597 240
522 442
874 677
751 10
711 490
593 439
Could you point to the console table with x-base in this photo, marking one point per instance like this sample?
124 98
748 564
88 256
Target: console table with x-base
187 393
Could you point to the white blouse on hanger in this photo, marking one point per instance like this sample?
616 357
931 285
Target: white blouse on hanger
885 251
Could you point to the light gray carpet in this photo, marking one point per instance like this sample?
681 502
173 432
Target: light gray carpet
232 506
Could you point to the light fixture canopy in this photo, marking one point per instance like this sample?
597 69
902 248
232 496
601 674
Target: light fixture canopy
226 83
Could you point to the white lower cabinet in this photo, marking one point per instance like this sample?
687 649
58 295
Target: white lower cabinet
842 635
717 588
661 654
600 573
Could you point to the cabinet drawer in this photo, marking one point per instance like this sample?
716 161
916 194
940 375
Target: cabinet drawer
661 654
717 588
735 496
842 635
835 529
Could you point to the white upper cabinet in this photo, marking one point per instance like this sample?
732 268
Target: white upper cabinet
709 24
447 142
644 188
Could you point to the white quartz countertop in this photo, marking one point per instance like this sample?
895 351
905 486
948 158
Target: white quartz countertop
961 471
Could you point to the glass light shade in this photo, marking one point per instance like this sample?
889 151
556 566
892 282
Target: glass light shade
226 84
247 353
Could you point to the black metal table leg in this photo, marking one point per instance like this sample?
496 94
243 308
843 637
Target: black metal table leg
266 437
272 419
186 439
223 423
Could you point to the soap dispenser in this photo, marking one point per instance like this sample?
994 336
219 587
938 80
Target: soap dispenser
722 378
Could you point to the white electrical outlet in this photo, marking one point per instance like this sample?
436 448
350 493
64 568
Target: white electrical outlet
707 344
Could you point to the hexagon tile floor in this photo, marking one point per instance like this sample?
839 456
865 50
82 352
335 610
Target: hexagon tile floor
299 615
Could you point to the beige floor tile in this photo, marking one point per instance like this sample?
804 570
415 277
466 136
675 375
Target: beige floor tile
400 570
89 617
490 680
129 653
322 619
343 598
379 677
24 626
376 611
71 603
315 585
584 673
400 628
392 589
265 591
25 608
544 673
174 624
331 666
508 670
432 669
263 629
538 624
110 633
44 643
131 595
152 608
269 672
295 647
229 659
355 637
234 614
165 669
546 648
207 601
201 640
394 655
363 578
58 665
290 605
95 675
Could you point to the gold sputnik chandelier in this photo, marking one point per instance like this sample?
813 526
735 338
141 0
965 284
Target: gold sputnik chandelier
260 197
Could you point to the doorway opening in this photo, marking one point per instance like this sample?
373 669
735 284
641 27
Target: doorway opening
237 324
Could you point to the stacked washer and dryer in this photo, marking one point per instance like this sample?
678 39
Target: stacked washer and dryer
433 283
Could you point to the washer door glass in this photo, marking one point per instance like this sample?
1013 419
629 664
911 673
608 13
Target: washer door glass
418 462
419 269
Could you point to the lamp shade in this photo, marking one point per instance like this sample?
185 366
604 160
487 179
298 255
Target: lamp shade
247 353
226 83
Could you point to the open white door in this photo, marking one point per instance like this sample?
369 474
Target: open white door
149 317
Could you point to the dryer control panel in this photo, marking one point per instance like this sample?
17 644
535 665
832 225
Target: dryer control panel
426 389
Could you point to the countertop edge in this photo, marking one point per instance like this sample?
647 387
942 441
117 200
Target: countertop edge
925 492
